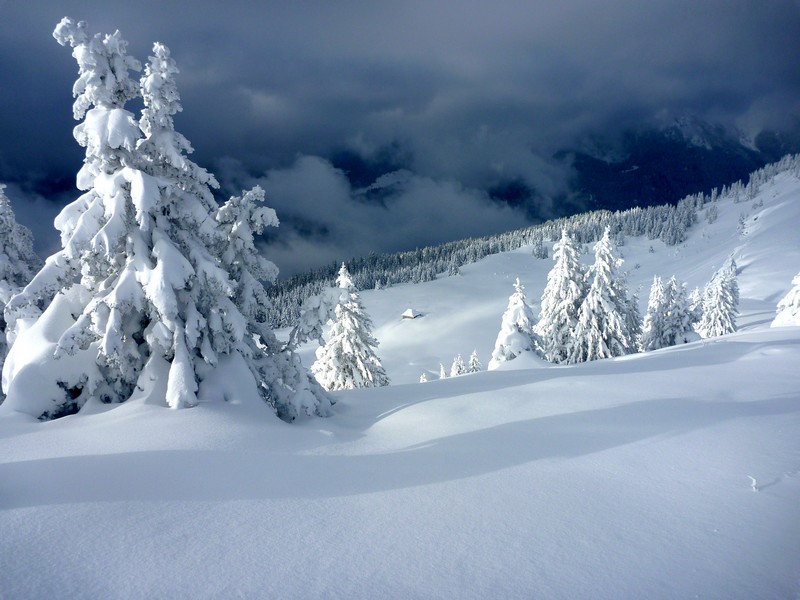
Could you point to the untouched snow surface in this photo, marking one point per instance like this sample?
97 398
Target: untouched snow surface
671 474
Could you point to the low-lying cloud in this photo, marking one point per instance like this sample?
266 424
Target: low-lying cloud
323 219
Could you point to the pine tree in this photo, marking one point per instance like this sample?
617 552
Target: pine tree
142 264
679 318
669 316
720 303
696 305
423 378
474 364
315 313
633 320
652 337
18 263
348 359
517 330
731 273
788 312
458 367
442 372
601 331
281 379
561 300
91 268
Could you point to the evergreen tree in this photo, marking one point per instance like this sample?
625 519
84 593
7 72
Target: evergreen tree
458 367
696 305
423 378
281 379
633 320
679 318
788 312
442 372
652 337
142 264
516 333
18 263
474 364
601 331
315 312
731 271
348 359
561 300
720 303
539 250
101 236
669 316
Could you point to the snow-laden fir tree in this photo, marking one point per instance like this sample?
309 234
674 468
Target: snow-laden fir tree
652 337
732 273
348 359
789 306
669 317
696 305
279 374
316 312
633 319
517 330
442 372
146 297
561 300
720 303
602 330
423 378
18 263
458 367
90 270
679 317
474 364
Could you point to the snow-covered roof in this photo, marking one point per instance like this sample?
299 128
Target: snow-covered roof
410 313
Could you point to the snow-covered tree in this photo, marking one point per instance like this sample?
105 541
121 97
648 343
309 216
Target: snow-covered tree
516 333
474 364
442 372
279 374
315 313
789 306
423 378
148 293
348 358
731 272
633 318
679 317
458 367
720 303
696 305
561 300
602 331
652 337
669 316
538 249
100 236
18 263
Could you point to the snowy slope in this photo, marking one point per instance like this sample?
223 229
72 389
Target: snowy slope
671 474
463 313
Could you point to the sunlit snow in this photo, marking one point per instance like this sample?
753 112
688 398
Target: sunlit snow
669 474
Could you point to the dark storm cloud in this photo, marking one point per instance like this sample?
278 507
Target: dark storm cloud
470 94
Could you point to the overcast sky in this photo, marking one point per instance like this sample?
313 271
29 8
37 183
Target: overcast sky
455 96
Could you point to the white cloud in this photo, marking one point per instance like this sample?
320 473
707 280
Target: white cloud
324 219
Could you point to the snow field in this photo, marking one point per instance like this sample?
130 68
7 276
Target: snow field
621 478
